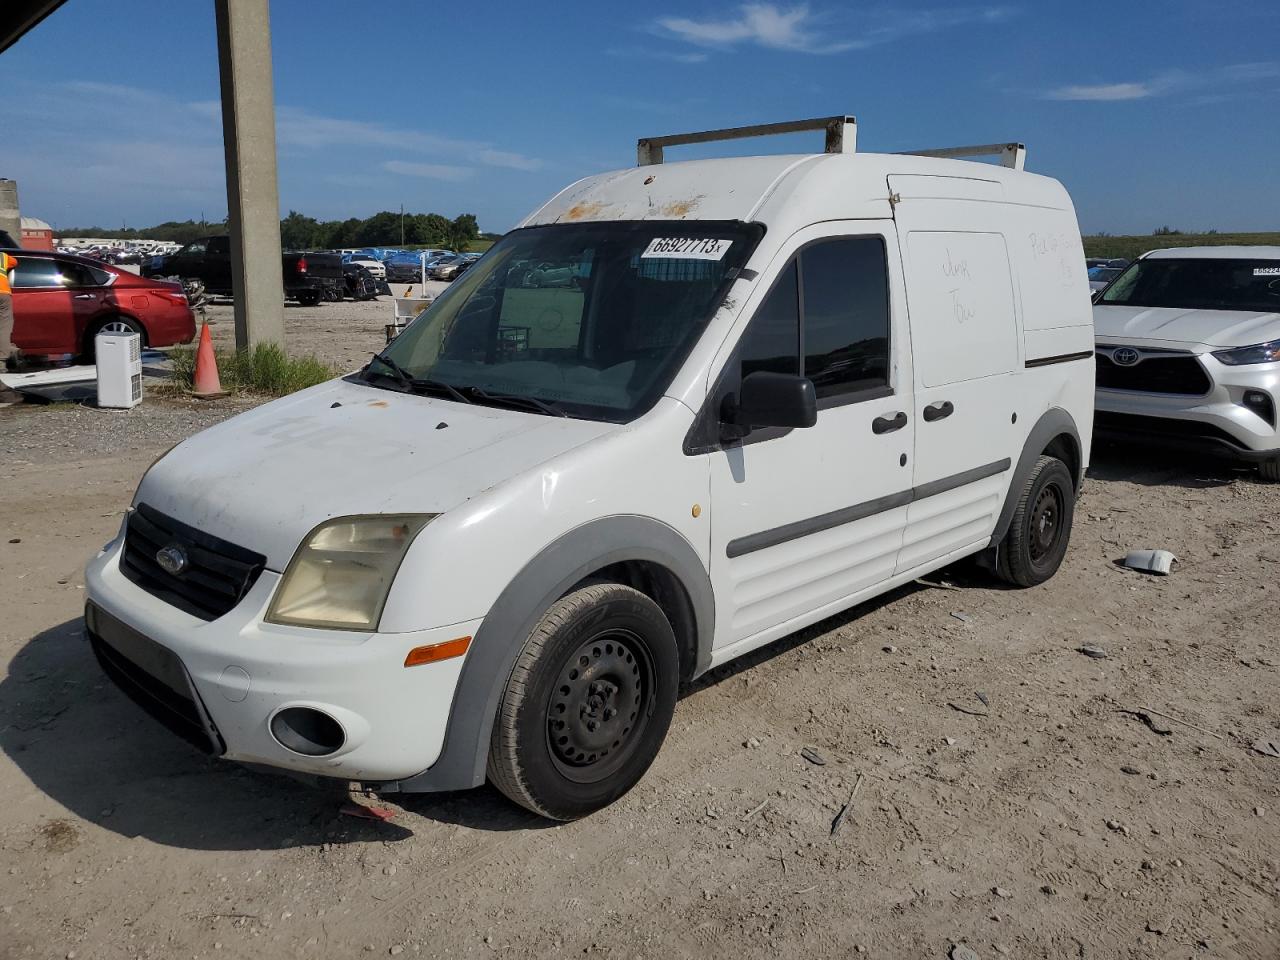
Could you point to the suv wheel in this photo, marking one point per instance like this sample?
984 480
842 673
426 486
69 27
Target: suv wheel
1269 470
1038 535
588 704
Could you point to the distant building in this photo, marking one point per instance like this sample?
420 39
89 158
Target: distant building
36 234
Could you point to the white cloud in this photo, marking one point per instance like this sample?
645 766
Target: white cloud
1211 80
1103 91
648 53
800 29
761 23
432 171
505 158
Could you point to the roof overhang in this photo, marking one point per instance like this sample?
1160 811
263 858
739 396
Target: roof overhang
20 16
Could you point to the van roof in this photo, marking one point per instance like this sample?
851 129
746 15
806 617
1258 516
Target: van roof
1216 253
806 188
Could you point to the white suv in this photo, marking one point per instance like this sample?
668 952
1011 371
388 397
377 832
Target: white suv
1188 351
683 410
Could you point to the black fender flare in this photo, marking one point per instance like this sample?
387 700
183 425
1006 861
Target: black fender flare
1053 422
540 583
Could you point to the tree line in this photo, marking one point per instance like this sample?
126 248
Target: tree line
300 232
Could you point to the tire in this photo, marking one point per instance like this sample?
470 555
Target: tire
1040 530
1269 470
561 746
116 324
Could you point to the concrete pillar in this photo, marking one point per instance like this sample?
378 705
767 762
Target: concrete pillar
10 221
249 137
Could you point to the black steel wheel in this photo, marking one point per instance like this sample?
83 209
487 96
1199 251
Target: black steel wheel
1040 530
600 706
588 703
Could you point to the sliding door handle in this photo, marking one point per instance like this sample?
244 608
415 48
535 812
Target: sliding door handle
938 411
889 424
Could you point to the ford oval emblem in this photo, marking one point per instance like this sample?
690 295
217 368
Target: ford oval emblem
1125 356
173 560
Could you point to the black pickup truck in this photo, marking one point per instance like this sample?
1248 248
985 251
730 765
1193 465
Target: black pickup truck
308 277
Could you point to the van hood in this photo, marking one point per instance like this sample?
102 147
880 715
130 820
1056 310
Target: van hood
1187 328
266 478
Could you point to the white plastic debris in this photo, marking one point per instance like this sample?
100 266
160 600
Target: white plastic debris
1150 561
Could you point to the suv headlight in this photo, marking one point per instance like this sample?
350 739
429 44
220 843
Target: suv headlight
1258 353
342 573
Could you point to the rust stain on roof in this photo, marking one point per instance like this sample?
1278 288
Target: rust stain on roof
586 210
681 208
378 403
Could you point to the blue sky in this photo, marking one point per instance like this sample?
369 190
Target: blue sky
1151 113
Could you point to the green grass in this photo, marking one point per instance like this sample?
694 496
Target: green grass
1133 247
264 369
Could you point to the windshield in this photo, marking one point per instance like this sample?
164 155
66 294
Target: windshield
1199 284
590 319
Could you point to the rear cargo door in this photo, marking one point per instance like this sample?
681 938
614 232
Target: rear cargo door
966 344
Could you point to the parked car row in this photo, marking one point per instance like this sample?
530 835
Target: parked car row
308 278
437 264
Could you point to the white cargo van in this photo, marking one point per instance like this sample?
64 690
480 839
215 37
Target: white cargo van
681 411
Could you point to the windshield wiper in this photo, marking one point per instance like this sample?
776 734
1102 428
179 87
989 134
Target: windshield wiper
420 383
514 399
398 372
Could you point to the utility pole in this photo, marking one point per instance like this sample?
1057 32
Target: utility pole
402 224
249 141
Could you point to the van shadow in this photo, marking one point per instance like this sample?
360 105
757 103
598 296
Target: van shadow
1155 466
82 742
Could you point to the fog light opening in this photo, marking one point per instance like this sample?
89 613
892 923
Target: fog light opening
307 731
1261 404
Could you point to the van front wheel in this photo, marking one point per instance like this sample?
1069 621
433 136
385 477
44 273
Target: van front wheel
1038 535
588 704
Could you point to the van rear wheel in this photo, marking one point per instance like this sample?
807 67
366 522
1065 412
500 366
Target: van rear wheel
1038 535
588 704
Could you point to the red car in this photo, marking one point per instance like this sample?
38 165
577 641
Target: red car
61 302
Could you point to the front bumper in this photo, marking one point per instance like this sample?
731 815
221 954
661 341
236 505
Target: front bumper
1217 421
218 684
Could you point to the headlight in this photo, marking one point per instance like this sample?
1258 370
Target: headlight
1258 353
342 573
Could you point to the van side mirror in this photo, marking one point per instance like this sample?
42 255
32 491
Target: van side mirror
776 400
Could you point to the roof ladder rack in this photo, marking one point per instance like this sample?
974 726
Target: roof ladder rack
1012 155
841 134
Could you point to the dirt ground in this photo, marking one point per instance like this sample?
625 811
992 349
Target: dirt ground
1003 796
341 334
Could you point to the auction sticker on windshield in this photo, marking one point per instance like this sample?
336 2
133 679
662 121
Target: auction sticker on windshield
686 248
1264 271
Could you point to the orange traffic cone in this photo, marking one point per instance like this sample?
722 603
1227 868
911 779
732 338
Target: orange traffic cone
207 385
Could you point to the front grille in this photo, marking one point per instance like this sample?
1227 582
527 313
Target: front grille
218 574
153 677
1178 374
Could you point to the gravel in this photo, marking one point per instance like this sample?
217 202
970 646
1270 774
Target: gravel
66 432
